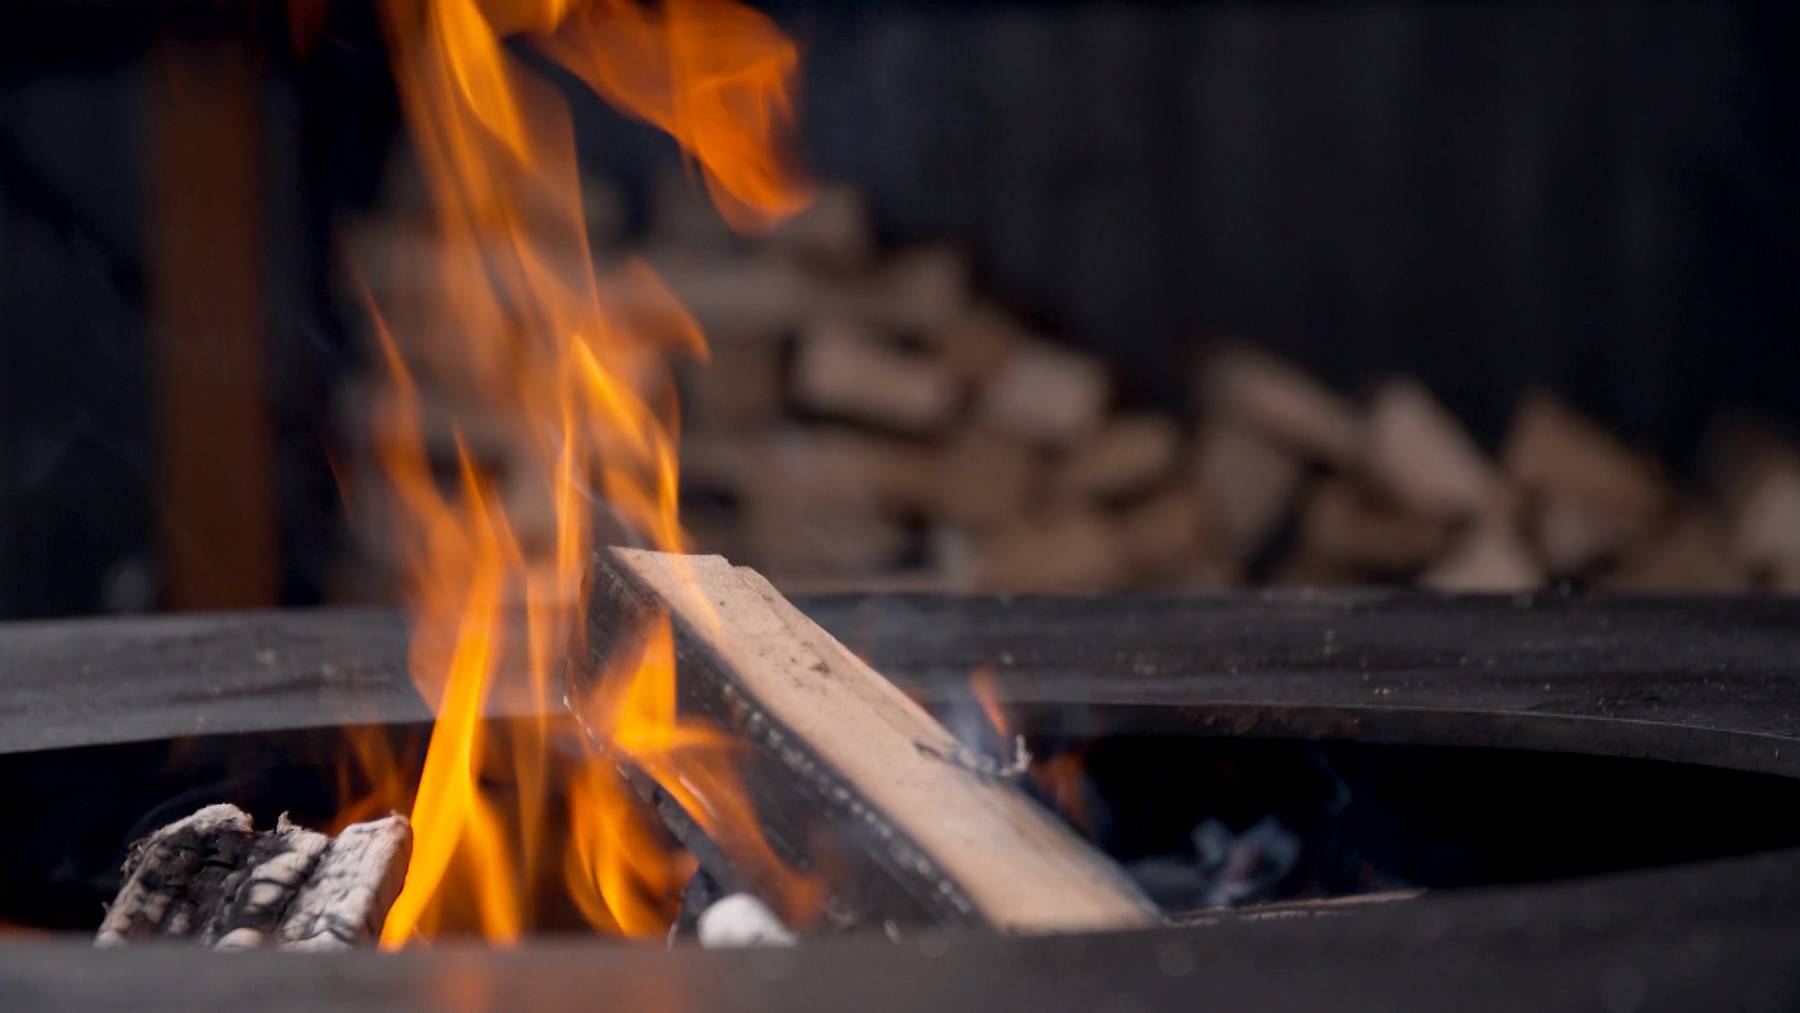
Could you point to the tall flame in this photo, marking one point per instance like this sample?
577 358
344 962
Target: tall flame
515 323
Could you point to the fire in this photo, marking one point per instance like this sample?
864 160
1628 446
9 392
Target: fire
517 325
1060 779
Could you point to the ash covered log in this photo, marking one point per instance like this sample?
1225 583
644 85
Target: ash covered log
213 878
851 781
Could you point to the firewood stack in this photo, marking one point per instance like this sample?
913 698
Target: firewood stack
869 418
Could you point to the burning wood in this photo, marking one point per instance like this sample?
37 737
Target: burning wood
214 879
849 779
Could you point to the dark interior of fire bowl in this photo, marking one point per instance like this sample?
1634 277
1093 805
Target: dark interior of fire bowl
1200 822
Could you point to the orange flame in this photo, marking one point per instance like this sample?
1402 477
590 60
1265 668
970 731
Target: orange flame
515 325
1059 778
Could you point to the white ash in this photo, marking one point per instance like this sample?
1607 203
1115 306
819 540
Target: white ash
215 880
741 920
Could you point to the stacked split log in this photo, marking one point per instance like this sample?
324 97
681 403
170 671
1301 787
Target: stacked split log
868 417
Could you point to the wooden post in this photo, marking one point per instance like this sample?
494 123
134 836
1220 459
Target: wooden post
216 499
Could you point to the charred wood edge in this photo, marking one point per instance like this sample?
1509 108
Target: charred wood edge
1129 906
1310 908
798 786
981 764
620 612
214 879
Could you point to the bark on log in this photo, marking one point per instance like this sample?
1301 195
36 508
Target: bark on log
850 780
213 878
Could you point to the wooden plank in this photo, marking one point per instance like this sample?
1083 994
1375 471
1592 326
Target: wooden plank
215 475
915 831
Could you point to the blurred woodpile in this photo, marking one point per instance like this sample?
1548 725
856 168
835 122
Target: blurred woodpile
869 419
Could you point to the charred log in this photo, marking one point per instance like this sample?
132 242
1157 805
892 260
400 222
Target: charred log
215 880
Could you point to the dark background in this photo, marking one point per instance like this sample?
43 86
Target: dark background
1600 198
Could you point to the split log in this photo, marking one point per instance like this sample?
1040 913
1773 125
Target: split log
914 292
1344 527
844 369
829 465
1756 473
849 779
974 343
738 387
1045 395
1162 534
214 879
823 466
766 296
986 479
1269 396
1072 549
796 539
1765 520
1555 451
835 231
1491 558
744 298
1425 460
1691 556
1126 457
1247 486
1574 535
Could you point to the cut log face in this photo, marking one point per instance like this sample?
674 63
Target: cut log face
1072 549
843 467
852 782
846 371
212 878
914 292
1046 396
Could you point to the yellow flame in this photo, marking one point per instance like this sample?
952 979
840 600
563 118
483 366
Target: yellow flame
514 324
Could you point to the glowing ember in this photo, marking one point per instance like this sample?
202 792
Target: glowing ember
514 325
